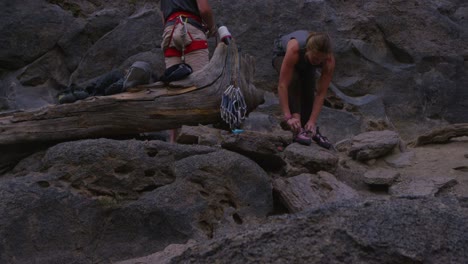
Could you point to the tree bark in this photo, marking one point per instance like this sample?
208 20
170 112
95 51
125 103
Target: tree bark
442 135
155 107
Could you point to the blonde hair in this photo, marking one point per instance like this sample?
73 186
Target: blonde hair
319 42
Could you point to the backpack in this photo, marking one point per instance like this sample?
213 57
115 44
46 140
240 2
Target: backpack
176 72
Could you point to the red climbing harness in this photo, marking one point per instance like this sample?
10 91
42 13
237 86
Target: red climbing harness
194 45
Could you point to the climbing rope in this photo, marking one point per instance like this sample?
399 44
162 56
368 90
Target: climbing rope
233 107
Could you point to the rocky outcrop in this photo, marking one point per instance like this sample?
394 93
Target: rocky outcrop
104 200
394 231
107 200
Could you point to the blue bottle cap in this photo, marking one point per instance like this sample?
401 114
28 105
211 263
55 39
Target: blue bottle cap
237 131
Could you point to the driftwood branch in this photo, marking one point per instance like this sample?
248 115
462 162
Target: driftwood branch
296 193
192 101
442 135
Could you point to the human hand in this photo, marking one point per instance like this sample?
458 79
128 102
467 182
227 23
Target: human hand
294 123
310 126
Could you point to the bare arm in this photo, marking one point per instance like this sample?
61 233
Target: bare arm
206 14
286 74
323 84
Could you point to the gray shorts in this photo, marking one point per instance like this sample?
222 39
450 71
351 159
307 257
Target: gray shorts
197 59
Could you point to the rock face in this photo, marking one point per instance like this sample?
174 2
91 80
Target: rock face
412 60
394 231
102 201
106 199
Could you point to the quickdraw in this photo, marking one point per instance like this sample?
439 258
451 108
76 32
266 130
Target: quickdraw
233 107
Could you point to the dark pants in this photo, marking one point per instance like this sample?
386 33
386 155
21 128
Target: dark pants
301 91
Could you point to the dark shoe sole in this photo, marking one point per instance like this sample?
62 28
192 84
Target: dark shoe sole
303 141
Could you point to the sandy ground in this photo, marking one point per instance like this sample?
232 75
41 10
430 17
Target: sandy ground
441 161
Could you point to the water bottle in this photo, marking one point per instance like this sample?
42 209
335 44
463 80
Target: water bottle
224 34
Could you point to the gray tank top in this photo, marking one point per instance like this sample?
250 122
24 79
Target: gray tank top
300 36
303 66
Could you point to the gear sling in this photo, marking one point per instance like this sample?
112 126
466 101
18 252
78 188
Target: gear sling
182 18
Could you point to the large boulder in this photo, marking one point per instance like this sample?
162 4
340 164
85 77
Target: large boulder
374 144
29 29
385 231
308 159
107 200
136 34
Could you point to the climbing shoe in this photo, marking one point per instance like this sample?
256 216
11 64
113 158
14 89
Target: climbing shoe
303 137
115 88
66 98
321 140
72 96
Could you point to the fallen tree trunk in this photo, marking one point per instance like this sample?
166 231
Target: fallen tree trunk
155 107
442 135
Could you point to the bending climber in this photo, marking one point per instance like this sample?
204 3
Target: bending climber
302 53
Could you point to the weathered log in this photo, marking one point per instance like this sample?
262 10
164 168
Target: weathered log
194 100
296 193
442 135
307 191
